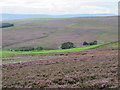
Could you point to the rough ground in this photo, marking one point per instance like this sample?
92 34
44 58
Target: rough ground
51 33
86 69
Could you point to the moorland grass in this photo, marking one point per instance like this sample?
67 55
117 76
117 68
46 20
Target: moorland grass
15 53
50 33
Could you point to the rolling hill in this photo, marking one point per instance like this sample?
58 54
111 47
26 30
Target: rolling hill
6 16
50 33
93 67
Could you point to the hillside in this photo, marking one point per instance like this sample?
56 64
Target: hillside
16 53
95 69
12 54
51 32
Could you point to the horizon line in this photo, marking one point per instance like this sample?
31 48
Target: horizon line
61 14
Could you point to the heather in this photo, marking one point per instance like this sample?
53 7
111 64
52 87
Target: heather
95 68
50 33
80 52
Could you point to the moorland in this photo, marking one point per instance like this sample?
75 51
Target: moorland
92 66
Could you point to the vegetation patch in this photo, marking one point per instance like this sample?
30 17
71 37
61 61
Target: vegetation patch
27 49
4 25
15 53
67 45
90 43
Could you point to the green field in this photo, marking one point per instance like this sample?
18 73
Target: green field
15 53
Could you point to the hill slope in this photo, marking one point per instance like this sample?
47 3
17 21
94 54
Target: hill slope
94 69
50 33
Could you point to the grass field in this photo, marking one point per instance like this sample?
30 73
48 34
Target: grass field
15 53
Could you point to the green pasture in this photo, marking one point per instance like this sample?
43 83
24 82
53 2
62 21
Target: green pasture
15 53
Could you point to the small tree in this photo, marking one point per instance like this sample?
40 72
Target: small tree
91 43
24 49
39 48
67 45
95 42
85 43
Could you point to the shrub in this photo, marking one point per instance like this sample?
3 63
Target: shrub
85 43
67 45
26 48
90 43
39 48
95 42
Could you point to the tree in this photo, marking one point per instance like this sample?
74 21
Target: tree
85 43
67 45
24 49
95 42
39 48
91 43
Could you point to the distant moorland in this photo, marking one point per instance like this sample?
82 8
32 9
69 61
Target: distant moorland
50 33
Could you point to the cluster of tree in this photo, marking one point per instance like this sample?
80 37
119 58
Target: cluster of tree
90 43
67 45
27 49
3 25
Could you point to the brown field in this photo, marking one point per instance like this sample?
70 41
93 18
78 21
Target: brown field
96 68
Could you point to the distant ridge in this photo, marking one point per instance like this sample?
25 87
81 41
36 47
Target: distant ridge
26 16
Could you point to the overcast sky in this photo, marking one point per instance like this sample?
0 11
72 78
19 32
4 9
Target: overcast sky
59 6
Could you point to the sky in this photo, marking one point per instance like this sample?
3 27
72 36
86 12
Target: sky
59 7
